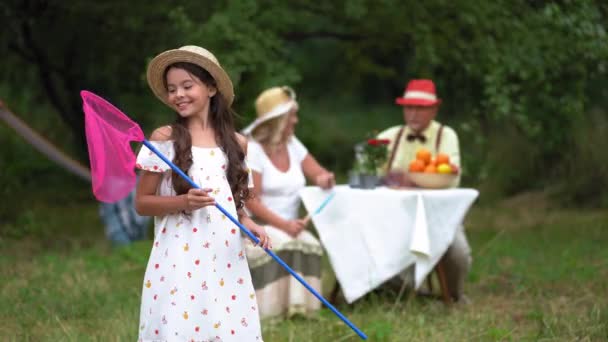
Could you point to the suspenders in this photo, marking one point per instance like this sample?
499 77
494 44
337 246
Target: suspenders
438 140
394 150
398 141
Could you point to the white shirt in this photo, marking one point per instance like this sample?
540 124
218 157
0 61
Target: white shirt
280 190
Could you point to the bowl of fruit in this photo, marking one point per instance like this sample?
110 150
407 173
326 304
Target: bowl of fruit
432 172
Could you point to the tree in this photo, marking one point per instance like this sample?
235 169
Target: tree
58 48
526 64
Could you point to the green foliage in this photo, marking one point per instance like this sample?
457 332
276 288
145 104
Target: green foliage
348 123
585 162
244 37
535 66
55 49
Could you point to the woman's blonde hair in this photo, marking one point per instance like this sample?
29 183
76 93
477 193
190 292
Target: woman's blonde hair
270 133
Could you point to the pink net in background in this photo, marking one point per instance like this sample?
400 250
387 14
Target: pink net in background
109 133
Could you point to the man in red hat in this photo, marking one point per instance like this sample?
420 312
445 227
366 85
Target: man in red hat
421 131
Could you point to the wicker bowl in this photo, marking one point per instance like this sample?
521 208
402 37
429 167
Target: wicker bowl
432 180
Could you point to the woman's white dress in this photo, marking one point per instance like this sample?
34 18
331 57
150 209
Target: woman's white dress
277 291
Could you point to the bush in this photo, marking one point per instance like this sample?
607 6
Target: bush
584 170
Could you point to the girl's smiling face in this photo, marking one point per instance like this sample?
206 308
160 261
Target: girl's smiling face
187 94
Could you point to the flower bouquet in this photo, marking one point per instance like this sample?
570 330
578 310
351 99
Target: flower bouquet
370 156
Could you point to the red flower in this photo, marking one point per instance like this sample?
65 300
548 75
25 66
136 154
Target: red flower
371 154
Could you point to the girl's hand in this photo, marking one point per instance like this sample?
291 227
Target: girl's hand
198 198
295 227
260 233
325 180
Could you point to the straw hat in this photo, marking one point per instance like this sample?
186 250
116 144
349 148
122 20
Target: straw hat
419 93
270 104
191 54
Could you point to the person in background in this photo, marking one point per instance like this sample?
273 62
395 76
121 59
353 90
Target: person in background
420 131
281 164
123 225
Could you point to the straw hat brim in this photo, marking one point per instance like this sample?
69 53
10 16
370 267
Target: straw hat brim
279 110
156 70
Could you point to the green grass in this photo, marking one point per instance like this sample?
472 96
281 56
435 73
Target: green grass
538 275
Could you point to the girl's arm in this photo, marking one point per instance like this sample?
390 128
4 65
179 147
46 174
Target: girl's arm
318 174
147 203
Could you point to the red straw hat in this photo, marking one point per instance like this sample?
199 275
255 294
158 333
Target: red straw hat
419 93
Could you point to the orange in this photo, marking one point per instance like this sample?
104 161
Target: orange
430 169
416 166
424 155
442 158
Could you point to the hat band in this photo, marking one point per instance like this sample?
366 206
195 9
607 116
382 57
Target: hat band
419 95
277 111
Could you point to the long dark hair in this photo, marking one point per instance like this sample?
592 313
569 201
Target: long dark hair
221 118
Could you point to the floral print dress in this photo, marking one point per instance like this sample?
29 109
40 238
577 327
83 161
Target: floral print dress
197 285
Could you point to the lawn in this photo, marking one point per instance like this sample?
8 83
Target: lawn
539 274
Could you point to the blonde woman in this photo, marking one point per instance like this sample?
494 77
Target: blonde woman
281 164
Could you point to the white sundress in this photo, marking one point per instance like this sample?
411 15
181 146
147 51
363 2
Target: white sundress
197 285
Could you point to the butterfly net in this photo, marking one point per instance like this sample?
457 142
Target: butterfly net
109 133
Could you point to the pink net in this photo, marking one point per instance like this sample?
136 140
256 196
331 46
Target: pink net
109 133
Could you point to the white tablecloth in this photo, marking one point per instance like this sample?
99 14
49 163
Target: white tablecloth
372 235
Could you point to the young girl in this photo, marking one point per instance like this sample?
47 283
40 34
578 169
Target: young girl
197 285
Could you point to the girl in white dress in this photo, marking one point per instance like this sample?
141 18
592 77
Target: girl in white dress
197 285
280 165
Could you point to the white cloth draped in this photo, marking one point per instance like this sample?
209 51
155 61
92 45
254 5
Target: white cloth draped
372 235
